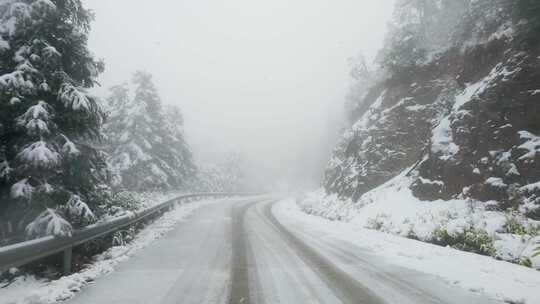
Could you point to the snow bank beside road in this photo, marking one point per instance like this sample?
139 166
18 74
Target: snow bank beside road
29 289
476 273
392 208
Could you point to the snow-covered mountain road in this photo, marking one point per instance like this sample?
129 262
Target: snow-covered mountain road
240 251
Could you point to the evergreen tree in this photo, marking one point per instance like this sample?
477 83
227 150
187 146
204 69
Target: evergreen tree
183 159
527 17
419 28
50 174
362 79
147 146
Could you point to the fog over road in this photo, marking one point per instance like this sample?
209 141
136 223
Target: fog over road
240 251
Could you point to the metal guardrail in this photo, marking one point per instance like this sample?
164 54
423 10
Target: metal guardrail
25 252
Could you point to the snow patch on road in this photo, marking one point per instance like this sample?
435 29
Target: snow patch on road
31 290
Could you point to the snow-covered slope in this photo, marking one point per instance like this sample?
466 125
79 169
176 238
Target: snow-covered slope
462 223
446 147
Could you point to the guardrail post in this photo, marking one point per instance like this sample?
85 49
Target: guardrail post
67 259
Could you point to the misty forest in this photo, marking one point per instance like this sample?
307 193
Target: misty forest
270 152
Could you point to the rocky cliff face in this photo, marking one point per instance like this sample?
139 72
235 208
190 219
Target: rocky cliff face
457 107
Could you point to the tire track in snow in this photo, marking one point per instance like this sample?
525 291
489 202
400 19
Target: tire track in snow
278 267
345 287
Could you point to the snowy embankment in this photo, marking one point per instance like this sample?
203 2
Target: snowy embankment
479 274
463 223
30 289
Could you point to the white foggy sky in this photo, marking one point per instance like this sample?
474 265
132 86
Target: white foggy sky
265 78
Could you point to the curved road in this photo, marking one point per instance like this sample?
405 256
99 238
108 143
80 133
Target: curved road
237 251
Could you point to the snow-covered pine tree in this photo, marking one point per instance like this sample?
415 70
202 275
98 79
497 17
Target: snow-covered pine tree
49 173
527 17
147 146
184 163
418 28
363 78
117 106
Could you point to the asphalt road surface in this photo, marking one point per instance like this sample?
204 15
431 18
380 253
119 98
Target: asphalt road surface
237 251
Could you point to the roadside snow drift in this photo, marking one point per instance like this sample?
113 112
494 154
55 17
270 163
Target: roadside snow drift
479 274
